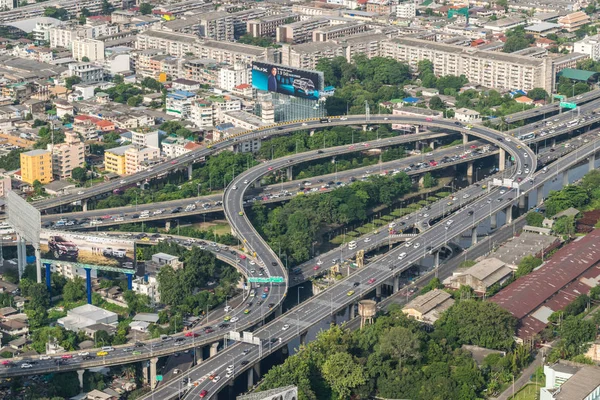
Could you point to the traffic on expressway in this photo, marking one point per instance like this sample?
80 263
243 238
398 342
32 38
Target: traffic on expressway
417 164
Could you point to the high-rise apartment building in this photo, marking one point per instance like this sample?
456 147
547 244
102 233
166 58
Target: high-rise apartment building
36 165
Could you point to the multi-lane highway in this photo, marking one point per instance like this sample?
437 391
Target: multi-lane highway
189 158
412 165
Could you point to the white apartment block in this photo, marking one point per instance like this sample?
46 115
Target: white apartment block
5 185
88 72
6 4
202 114
90 48
145 137
217 25
337 31
179 103
301 31
180 45
176 146
489 69
148 287
307 55
590 46
406 10
230 77
267 26
136 157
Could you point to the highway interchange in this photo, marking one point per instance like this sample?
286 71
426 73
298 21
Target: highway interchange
339 295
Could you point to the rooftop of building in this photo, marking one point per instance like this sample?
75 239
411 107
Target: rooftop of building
176 37
530 291
580 385
428 301
35 153
542 27
119 151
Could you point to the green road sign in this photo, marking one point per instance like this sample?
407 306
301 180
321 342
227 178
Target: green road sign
558 96
512 158
564 104
158 378
272 279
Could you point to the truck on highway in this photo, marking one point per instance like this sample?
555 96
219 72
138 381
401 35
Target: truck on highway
324 120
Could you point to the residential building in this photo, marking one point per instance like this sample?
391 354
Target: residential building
36 165
70 271
232 76
202 70
138 158
87 72
241 18
481 276
5 185
63 108
300 31
467 115
567 380
90 48
173 147
217 25
14 327
114 160
307 55
84 316
336 31
505 24
406 10
590 46
145 137
429 306
267 26
185 84
179 103
6 4
243 119
202 113
67 156
489 69
574 21
167 259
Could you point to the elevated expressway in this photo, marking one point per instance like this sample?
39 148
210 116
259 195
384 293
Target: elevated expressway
121 215
185 161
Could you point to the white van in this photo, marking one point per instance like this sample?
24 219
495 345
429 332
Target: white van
352 244
108 348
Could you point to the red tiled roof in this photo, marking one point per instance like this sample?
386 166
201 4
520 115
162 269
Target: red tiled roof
103 123
191 146
243 86
83 118
530 291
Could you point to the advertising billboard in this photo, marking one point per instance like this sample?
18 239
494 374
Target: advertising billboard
74 247
286 80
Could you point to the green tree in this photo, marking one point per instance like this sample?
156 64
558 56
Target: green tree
107 8
527 264
79 174
343 374
55 12
134 101
538 94
146 8
400 343
72 80
152 83
435 103
85 59
429 180
74 290
564 225
117 79
38 188
535 219
36 307
575 333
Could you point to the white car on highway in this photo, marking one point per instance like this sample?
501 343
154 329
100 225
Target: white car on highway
83 353
234 320
285 327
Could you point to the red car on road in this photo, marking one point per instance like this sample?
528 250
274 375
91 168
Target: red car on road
371 281
203 394
191 334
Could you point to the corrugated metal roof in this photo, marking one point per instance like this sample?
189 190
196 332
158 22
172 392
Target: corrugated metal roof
529 292
576 74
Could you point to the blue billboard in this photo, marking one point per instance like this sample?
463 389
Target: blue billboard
286 80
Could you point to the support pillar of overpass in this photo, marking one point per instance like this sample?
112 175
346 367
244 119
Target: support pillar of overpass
436 257
365 127
257 183
432 144
417 129
303 338
88 284
153 362
540 195
565 179
279 310
289 173
80 373
256 369
501 159
48 278
38 263
145 374
592 161
84 204
396 283
333 319
213 349
522 201
509 216
470 169
494 221
190 172
553 142
351 311
465 138
129 281
168 225
378 291
474 236
250 378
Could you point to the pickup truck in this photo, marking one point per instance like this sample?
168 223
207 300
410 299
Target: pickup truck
62 248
